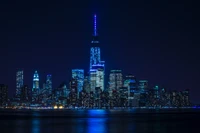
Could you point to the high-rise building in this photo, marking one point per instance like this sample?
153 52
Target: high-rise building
98 76
86 84
115 80
19 82
73 86
3 94
143 91
25 93
97 67
95 56
48 84
133 94
36 88
36 80
186 97
93 76
131 84
143 85
73 91
78 74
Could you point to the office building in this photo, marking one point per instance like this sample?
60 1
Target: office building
97 67
86 84
36 88
78 74
143 85
48 84
115 80
19 82
95 55
3 94
97 76
25 93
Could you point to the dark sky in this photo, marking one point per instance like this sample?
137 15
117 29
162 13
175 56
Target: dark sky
154 40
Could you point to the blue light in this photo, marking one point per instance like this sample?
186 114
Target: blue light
97 125
95 25
96 112
35 125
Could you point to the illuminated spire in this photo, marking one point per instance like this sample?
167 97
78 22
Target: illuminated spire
95 25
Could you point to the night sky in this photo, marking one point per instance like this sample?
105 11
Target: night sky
154 40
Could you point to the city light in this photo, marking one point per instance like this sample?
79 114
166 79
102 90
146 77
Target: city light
88 89
60 107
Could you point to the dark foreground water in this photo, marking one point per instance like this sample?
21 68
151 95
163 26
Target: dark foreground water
101 121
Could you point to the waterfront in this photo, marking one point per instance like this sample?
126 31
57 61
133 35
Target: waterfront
96 121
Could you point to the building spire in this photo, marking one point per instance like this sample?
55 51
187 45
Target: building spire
95 25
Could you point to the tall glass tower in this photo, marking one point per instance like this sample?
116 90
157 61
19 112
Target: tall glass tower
115 80
97 67
49 83
36 80
36 88
19 82
95 55
78 74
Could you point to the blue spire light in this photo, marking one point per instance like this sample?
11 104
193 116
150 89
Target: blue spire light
95 25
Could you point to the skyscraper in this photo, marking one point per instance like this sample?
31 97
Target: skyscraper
36 88
78 74
73 91
97 76
130 82
133 95
3 94
19 82
95 55
97 67
25 93
86 84
48 84
115 80
143 85
93 76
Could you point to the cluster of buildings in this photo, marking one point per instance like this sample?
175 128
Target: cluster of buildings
89 90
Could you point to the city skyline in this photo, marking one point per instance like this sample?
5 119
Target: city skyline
168 71
119 91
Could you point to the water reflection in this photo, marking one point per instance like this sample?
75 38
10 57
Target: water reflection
95 121
97 124
97 113
35 123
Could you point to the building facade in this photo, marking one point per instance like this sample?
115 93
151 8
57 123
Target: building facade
48 84
115 80
142 85
78 74
3 94
25 93
36 87
133 93
97 67
19 82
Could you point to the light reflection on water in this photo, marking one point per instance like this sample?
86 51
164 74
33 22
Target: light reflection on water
97 113
96 121
35 123
97 125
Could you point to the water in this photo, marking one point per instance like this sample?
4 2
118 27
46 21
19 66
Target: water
100 121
